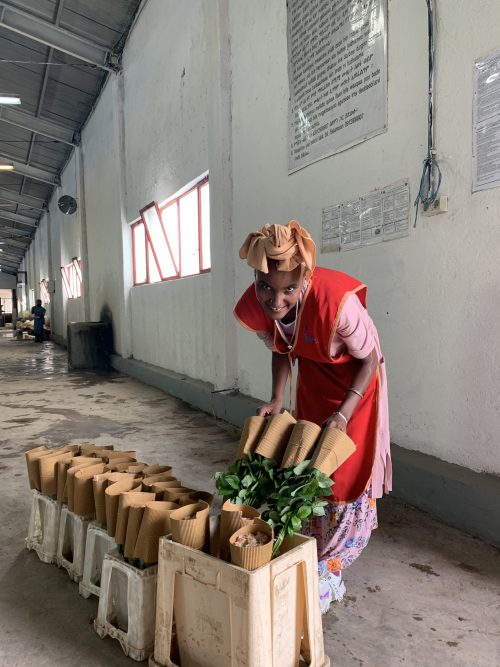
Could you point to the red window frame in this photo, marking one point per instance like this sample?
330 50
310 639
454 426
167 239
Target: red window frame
72 278
156 239
44 290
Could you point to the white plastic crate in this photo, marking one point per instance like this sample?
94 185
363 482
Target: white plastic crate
43 528
127 606
71 543
98 544
225 616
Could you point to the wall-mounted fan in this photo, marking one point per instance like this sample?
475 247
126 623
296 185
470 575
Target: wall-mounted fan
67 204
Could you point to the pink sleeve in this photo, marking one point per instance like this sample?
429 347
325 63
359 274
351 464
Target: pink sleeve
267 337
355 329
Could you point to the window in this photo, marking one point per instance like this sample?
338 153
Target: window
173 240
44 290
72 278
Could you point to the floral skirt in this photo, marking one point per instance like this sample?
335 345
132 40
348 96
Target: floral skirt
343 532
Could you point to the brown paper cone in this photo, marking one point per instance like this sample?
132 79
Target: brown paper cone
333 448
232 517
275 437
155 523
48 471
125 502
136 468
83 500
89 449
189 525
117 454
61 476
99 485
253 428
111 499
251 558
135 515
77 463
118 465
32 457
177 494
156 469
159 487
301 442
195 496
149 480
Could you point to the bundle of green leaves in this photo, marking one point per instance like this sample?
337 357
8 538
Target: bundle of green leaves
298 496
248 481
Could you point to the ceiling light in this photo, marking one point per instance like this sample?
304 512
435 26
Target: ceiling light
6 166
10 99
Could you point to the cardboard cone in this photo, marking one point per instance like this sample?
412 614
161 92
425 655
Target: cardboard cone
117 454
156 469
253 428
99 485
77 462
89 449
195 496
135 515
177 494
302 440
83 499
155 523
251 558
119 465
125 502
111 499
232 518
159 487
276 435
136 468
32 457
149 480
333 448
48 471
61 476
189 525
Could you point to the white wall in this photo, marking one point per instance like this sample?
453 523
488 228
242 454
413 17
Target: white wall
433 295
205 86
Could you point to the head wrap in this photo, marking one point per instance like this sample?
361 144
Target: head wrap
289 245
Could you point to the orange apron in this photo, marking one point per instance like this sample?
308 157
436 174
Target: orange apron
322 381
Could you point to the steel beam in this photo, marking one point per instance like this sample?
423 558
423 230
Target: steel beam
42 31
5 229
14 243
38 125
23 200
15 217
35 173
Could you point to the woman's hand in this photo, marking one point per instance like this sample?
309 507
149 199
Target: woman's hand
272 408
337 420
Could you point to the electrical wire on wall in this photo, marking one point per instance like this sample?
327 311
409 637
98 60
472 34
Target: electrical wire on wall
430 180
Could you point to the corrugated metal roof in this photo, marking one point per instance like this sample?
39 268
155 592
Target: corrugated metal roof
53 85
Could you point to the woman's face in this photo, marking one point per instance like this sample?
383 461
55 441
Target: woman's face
278 291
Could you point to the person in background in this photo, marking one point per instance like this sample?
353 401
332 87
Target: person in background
38 312
318 317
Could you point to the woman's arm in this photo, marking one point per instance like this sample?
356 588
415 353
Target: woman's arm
360 381
280 367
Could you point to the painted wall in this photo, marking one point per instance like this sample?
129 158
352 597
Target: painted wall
433 295
197 93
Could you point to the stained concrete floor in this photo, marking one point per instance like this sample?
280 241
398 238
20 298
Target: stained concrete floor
421 595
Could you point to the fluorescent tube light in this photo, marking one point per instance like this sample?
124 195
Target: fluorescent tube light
10 99
7 166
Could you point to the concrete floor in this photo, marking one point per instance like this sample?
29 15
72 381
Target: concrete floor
421 595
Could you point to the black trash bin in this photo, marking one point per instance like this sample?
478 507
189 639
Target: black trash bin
89 345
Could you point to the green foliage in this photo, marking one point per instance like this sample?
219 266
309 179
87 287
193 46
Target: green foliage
298 497
248 481
293 495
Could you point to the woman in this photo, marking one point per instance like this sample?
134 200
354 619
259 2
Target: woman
318 318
